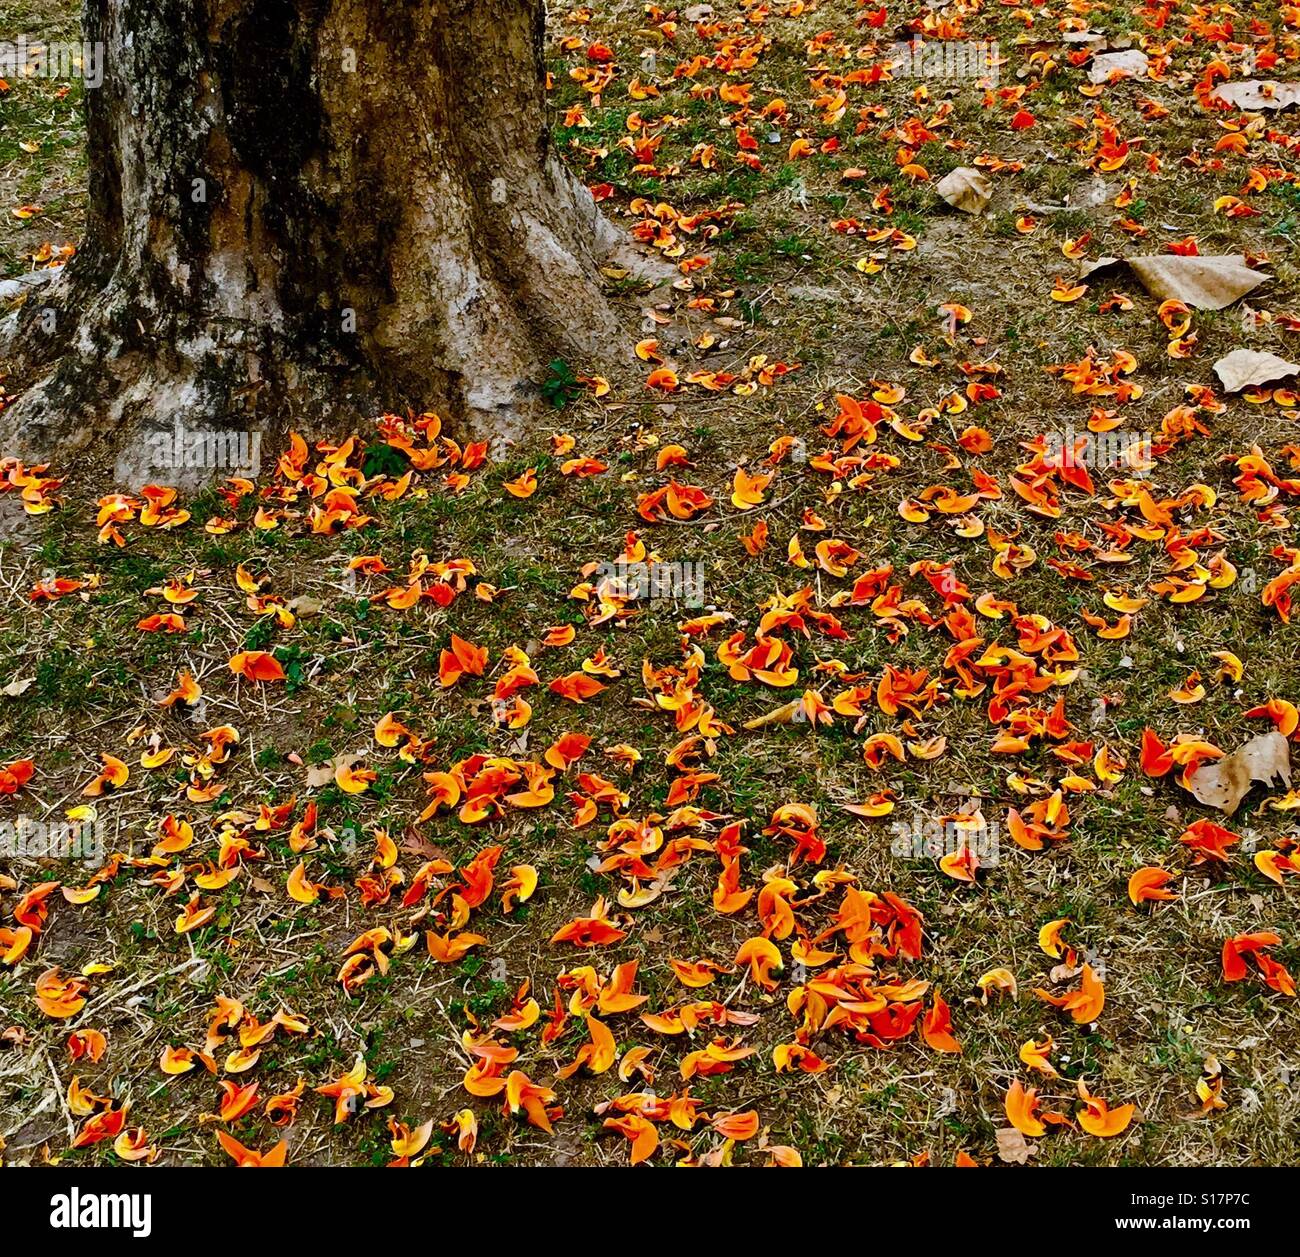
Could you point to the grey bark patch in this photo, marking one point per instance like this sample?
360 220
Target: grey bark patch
27 285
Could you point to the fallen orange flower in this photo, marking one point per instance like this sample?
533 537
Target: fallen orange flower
595 930
576 687
1148 885
641 1133
1098 1118
763 959
15 776
247 1157
60 997
1083 1005
936 1027
1021 1107
114 774
738 1126
105 1125
257 665
1256 946
523 1094
463 659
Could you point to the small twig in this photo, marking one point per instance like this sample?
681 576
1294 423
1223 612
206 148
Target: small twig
63 1099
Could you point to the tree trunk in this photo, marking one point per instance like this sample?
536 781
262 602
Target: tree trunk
310 212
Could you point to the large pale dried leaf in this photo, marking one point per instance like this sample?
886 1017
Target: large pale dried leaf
1246 368
1013 1147
1254 95
1224 783
1268 757
965 189
1100 264
1205 283
1131 62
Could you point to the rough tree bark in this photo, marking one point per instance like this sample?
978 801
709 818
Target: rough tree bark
312 211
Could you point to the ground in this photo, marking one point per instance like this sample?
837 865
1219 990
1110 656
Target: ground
808 272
